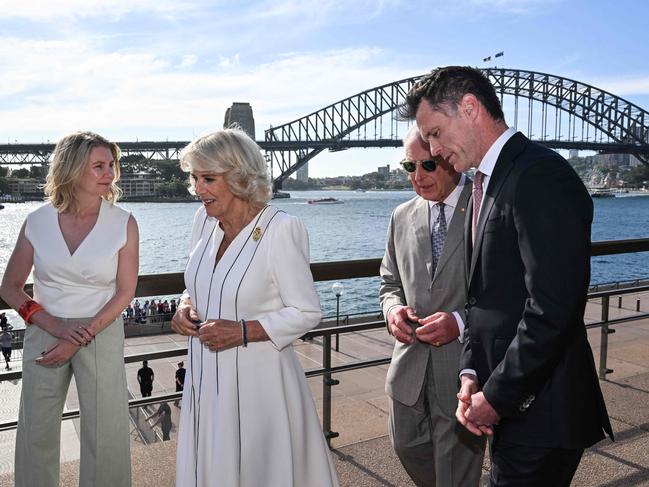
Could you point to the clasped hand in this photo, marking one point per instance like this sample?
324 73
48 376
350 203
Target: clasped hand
185 320
437 329
220 334
74 331
58 354
71 334
473 410
216 334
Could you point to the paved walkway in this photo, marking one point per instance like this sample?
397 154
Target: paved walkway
362 453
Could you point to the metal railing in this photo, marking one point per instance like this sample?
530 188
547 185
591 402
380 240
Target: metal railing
172 283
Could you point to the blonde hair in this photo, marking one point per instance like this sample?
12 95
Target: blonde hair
69 160
232 153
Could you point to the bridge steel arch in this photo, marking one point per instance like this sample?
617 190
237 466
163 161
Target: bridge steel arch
608 123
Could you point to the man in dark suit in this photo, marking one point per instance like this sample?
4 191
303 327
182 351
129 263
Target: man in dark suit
422 296
527 370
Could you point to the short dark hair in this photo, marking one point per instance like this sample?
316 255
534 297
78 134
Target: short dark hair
444 87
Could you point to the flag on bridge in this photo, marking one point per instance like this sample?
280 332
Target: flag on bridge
500 54
487 59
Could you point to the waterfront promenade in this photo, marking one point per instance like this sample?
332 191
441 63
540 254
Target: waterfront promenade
362 452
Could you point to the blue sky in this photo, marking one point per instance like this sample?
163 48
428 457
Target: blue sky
162 69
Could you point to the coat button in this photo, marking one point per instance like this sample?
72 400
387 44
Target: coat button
472 301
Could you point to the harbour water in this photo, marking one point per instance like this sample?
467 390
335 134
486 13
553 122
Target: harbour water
353 230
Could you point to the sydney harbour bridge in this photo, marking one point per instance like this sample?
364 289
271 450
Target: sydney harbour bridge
558 112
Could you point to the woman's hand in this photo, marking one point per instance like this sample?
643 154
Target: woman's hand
75 332
185 320
57 355
220 334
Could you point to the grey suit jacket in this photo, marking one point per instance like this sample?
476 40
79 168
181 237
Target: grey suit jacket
406 279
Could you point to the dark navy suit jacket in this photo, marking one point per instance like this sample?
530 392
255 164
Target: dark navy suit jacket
527 278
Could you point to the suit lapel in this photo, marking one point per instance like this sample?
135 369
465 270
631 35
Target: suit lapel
420 219
503 167
456 227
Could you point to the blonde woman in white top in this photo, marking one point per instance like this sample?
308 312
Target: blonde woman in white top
84 253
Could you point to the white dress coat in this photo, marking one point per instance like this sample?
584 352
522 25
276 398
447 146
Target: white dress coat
248 418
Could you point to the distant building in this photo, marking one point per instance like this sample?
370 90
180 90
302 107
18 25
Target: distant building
611 160
634 161
302 174
28 188
398 175
384 170
139 185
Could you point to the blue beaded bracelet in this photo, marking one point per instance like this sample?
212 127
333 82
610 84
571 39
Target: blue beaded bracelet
244 333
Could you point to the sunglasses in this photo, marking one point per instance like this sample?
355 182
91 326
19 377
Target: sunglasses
428 165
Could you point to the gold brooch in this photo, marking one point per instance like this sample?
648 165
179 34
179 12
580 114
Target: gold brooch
256 234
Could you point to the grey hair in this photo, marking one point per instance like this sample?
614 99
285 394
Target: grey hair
413 131
232 153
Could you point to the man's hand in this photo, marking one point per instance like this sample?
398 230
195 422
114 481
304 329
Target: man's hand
399 323
481 413
438 329
468 390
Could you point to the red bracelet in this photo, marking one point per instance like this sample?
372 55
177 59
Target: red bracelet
28 308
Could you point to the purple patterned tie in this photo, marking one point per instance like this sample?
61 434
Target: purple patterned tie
438 236
477 201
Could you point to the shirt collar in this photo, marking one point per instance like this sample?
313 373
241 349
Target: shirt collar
452 199
488 162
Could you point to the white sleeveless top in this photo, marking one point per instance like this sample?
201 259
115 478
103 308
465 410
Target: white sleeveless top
77 285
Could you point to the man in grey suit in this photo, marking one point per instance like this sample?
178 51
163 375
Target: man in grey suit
423 297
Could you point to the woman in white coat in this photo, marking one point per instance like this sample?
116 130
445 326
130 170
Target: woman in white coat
247 417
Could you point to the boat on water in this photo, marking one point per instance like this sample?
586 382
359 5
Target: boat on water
602 193
324 201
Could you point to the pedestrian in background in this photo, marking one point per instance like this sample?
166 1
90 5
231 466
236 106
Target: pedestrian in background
180 380
163 415
145 377
6 339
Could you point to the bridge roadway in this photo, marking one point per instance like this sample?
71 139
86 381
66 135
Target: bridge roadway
36 154
362 453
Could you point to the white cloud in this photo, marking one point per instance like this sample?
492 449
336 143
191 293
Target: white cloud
356 11
624 86
228 62
513 6
46 10
188 60
50 88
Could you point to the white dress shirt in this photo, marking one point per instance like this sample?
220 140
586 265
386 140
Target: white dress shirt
488 162
486 167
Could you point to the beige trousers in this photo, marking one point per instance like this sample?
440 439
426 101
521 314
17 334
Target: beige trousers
100 379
